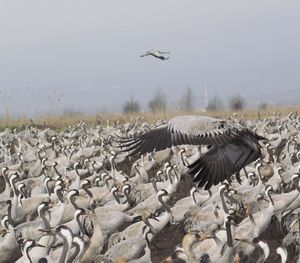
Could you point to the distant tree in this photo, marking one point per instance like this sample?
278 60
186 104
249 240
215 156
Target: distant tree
237 103
68 112
215 104
186 102
158 102
131 106
262 106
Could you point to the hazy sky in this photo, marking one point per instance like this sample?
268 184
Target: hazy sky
85 55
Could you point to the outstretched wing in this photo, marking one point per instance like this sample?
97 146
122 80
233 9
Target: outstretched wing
220 162
192 130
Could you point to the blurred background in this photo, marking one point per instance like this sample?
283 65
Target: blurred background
69 56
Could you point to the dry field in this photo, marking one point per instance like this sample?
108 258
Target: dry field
62 121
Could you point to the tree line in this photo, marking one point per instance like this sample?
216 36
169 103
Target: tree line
159 103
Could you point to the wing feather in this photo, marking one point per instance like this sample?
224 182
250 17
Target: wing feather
232 146
161 143
213 170
192 130
219 163
223 166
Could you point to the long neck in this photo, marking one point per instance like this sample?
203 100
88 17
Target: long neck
182 158
259 184
154 185
165 206
27 255
45 220
70 155
96 242
60 196
258 169
139 174
56 171
270 199
113 168
176 174
81 228
75 184
98 233
7 184
73 203
74 255
47 188
80 253
16 208
127 195
89 193
20 145
60 212
264 251
20 196
283 256
64 252
21 164
169 175
14 188
9 214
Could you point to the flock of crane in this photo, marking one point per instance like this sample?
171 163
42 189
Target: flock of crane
76 196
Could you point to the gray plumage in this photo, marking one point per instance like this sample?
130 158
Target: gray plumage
231 146
157 54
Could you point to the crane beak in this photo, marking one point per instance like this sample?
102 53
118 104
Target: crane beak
46 230
154 218
39 245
